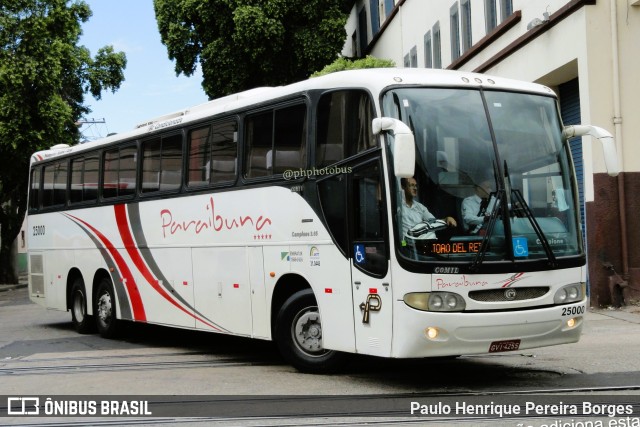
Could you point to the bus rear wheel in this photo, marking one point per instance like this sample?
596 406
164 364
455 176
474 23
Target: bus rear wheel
298 336
105 309
82 322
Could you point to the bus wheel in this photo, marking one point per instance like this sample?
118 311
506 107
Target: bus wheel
82 322
298 335
105 309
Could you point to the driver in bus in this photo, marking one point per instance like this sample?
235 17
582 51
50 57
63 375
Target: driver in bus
476 209
414 212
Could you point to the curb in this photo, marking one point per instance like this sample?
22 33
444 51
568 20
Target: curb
4 288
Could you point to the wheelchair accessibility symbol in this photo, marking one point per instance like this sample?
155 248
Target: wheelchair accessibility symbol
358 254
520 247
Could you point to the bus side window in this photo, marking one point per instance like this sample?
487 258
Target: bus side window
77 170
119 172
55 184
162 163
276 141
199 157
289 139
224 152
343 116
259 130
368 219
34 191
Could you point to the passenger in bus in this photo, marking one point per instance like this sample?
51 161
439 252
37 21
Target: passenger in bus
414 212
476 209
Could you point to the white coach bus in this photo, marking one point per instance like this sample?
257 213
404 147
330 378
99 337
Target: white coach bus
299 214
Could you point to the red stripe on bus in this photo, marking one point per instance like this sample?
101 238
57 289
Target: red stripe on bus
131 248
130 284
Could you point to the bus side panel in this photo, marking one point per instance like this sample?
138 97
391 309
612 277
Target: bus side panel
329 273
222 289
259 312
168 295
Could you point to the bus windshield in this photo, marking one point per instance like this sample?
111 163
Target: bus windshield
492 177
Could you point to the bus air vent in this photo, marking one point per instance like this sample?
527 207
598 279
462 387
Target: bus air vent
508 294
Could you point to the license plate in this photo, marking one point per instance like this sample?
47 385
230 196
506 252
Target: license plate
508 345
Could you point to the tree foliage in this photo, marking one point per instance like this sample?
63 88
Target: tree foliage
241 44
44 76
342 64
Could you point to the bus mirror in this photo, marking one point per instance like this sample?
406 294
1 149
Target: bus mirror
404 151
605 138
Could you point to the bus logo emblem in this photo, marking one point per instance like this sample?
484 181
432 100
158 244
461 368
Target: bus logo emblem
510 294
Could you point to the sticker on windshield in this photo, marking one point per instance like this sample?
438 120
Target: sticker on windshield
520 247
359 254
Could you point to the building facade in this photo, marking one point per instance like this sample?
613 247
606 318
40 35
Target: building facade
588 51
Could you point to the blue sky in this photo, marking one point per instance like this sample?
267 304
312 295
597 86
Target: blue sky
151 87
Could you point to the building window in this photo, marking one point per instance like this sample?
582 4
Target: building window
388 7
491 20
437 48
454 19
465 15
413 57
362 32
375 16
506 9
491 12
428 58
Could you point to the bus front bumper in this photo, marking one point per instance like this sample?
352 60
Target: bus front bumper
425 334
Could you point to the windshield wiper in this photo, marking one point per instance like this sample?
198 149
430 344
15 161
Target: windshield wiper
513 202
477 261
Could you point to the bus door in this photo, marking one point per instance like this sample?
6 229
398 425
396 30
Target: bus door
370 272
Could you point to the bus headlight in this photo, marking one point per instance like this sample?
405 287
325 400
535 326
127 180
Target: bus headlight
569 293
435 301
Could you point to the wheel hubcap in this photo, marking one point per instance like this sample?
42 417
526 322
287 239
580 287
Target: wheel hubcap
104 308
307 332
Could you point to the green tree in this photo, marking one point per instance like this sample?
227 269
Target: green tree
342 64
44 76
241 44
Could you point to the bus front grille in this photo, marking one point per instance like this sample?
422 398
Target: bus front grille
508 294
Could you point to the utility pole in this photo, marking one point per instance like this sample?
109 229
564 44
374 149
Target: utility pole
91 132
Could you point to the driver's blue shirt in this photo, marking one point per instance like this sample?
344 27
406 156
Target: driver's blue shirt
414 214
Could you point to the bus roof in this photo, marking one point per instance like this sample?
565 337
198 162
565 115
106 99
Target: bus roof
375 80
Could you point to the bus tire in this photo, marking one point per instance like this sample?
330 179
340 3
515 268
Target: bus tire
298 335
105 309
82 322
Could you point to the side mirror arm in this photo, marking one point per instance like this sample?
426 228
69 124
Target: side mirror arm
606 140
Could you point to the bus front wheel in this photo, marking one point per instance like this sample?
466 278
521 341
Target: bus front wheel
298 335
105 309
82 322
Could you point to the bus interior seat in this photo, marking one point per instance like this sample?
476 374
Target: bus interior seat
257 165
224 169
170 179
285 160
